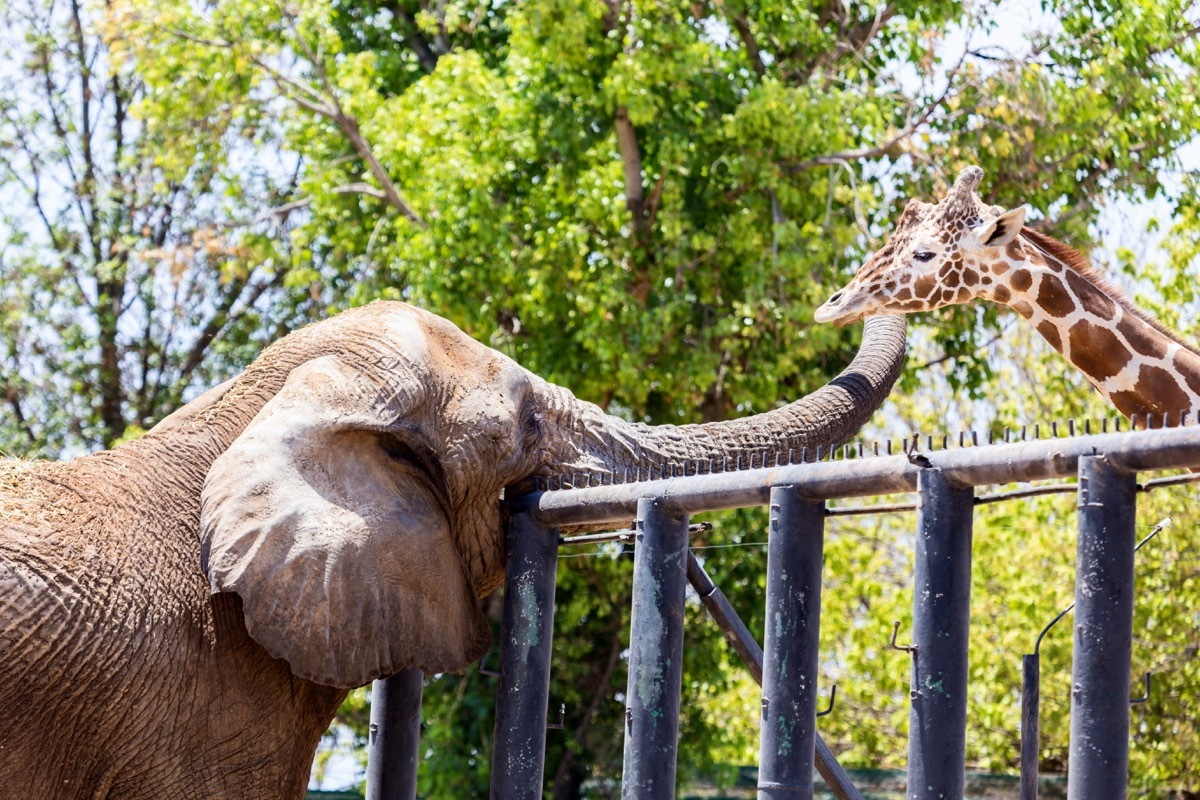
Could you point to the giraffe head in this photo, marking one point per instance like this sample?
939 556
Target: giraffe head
938 255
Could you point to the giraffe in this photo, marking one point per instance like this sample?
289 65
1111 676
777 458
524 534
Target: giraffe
961 249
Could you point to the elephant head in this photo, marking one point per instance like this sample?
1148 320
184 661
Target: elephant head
358 512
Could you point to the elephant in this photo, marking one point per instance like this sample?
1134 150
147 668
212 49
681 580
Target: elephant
181 615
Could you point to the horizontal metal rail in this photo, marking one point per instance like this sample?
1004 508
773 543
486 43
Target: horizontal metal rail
996 464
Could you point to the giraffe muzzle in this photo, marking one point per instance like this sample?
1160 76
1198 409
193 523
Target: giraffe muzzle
837 311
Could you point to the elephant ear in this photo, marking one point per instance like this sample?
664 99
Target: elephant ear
341 552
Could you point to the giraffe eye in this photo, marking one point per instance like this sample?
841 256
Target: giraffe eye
923 255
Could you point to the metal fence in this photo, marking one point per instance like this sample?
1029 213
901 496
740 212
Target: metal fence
1107 467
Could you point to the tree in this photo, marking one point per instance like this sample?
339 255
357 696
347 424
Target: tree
133 271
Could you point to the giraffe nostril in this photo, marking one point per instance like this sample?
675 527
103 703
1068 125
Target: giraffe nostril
836 297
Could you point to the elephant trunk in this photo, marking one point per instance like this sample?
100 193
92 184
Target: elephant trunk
611 448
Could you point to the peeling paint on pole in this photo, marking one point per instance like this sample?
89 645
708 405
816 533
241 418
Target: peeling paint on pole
522 696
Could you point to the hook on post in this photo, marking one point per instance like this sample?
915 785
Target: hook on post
562 719
832 699
1137 701
906 648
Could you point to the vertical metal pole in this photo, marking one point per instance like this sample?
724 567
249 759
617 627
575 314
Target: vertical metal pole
789 699
937 740
655 654
743 643
519 749
393 750
1031 692
1099 760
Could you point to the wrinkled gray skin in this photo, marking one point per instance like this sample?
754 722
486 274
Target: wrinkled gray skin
181 616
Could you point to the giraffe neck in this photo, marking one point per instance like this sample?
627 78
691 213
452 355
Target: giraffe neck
1137 367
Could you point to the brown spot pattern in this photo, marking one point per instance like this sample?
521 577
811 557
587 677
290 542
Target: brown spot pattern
1002 294
1090 297
1023 308
1097 351
903 293
1161 391
970 277
1022 280
924 285
1014 250
1188 365
1049 332
1053 297
1142 337
1127 403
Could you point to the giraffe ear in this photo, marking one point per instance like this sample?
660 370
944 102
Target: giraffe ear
1001 230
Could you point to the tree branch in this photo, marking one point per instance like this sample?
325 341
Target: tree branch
14 402
325 104
742 26
349 127
631 158
882 149
221 317
426 57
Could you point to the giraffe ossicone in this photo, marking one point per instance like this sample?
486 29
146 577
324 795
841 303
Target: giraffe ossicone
962 249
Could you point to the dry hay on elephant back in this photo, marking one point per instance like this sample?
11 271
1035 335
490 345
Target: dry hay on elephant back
25 488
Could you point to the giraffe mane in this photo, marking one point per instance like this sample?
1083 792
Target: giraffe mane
1080 263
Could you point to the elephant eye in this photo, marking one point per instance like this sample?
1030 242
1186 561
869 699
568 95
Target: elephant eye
531 426
415 456
923 256
399 450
